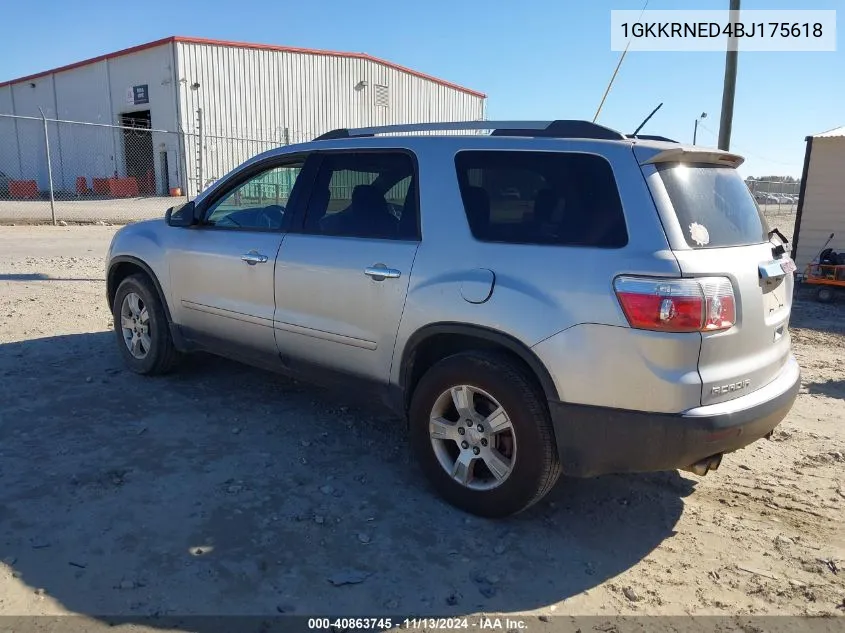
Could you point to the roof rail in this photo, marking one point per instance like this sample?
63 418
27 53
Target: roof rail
544 129
563 129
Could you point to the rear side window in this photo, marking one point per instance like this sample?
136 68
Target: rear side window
713 205
553 198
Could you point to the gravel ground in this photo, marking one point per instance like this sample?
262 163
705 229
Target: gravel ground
227 490
113 211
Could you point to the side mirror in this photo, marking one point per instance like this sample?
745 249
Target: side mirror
182 215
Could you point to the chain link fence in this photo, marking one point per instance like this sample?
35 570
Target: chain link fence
69 171
778 200
76 172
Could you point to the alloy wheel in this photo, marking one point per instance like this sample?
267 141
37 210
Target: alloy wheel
135 325
473 437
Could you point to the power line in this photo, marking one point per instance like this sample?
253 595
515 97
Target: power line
745 151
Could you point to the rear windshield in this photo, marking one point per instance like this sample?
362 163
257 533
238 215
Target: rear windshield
713 205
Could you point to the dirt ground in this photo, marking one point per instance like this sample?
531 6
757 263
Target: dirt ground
227 490
111 211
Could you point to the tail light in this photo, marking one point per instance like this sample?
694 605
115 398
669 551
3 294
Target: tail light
704 304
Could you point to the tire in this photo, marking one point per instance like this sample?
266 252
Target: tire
160 356
534 467
824 295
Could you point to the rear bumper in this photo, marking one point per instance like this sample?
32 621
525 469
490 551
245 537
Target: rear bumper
596 440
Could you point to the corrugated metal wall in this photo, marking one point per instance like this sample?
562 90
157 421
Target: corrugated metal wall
252 99
91 93
275 97
823 198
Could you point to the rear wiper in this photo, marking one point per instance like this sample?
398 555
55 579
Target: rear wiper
782 237
778 249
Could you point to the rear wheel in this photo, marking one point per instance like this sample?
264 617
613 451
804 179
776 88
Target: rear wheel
480 429
141 327
824 295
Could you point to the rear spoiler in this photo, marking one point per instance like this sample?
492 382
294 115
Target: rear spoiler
695 155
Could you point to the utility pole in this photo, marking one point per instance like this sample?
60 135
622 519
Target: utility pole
695 129
729 90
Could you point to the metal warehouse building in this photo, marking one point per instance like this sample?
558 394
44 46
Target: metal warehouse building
207 105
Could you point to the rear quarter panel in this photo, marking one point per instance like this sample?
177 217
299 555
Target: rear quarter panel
538 291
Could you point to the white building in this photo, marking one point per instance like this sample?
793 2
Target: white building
821 209
271 94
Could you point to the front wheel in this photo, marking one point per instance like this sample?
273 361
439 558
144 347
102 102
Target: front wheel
481 432
141 327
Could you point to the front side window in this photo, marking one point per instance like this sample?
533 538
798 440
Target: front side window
258 203
553 198
364 194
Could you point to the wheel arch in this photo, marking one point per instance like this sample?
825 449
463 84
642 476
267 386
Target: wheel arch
436 341
122 267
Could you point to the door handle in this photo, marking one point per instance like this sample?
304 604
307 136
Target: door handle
380 272
254 257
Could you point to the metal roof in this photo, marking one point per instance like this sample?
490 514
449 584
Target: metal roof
840 131
266 47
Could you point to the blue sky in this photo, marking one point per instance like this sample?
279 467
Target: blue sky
535 59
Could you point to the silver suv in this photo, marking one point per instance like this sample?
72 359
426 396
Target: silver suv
548 298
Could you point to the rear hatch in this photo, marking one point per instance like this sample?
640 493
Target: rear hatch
716 229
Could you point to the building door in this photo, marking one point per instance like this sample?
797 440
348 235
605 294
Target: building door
165 175
138 150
